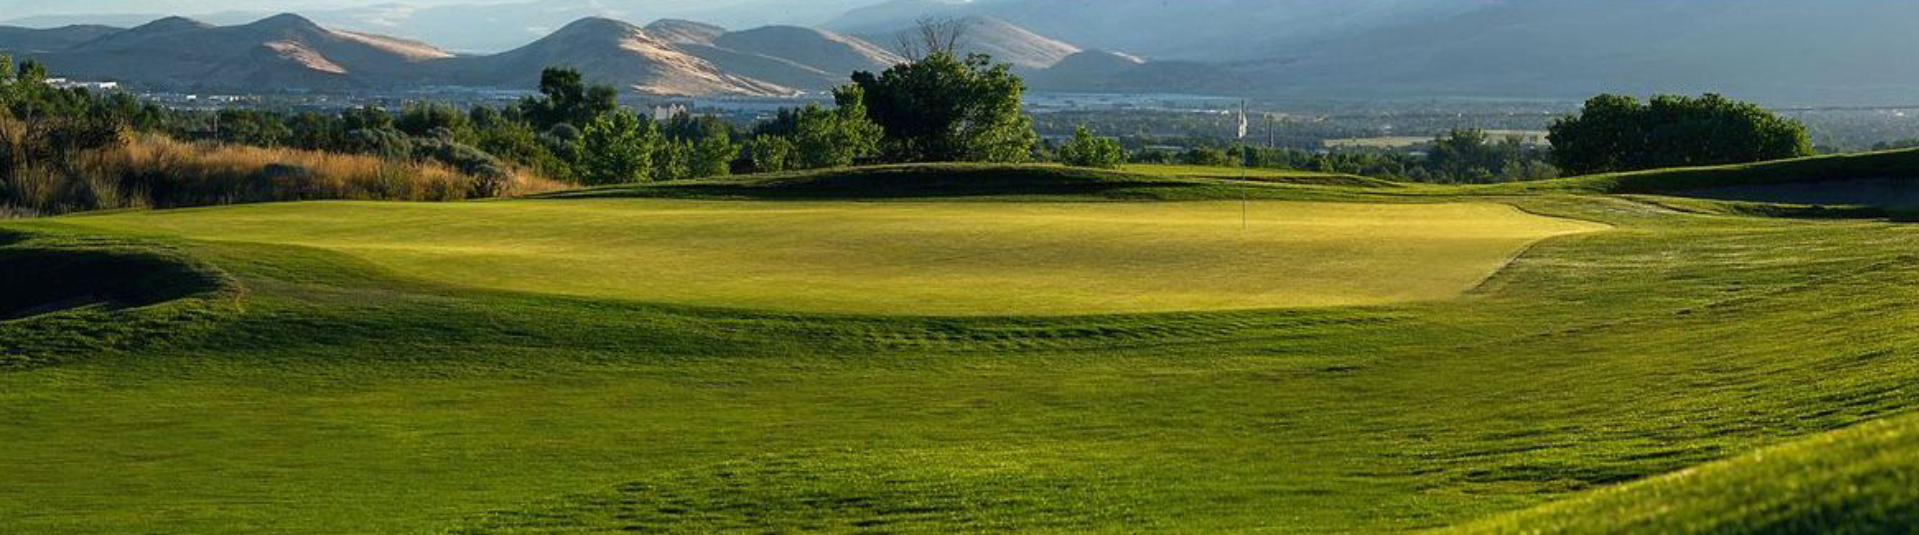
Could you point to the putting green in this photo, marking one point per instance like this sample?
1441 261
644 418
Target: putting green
985 258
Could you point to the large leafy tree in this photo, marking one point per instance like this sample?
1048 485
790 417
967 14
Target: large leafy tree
944 108
1619 133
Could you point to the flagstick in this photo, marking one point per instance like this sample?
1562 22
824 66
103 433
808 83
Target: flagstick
1245 208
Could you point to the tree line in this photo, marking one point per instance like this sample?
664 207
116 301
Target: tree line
940 107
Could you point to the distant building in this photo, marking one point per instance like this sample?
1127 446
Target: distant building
63 83
666 112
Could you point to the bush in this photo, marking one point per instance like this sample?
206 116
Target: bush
1087 150
1207 156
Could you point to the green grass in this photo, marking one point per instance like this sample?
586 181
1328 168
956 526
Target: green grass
1899 164
924 258
1280 176
332 392
1860 481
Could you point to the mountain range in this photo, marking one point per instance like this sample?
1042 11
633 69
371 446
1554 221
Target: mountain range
1833 52
1844 52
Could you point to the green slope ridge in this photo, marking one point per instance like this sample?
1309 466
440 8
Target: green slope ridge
1835 171
343 396
1859 481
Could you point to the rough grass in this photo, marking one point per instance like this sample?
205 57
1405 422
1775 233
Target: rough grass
925 258
157 172
344 397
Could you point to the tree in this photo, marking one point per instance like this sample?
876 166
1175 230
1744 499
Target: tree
672 160
771 153
942 108
932 35
838 137
815 137
567 99
617 148
1618 133
708 150
6 81
1087 150
713 155
1207 156
428 120
366 118
1473 156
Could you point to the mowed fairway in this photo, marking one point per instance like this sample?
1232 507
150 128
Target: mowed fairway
917 258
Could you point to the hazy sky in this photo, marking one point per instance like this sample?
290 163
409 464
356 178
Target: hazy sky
29 8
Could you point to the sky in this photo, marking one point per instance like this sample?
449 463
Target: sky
31 8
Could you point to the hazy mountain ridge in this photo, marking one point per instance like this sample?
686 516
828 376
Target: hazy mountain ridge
280 51
1833 52
41 40
667 57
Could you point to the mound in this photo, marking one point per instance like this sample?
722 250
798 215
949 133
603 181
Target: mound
62 299
40 281
1861 481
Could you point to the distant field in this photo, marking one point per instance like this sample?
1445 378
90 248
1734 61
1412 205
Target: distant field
908 258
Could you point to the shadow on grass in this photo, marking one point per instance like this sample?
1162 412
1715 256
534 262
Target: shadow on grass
905 182
38 280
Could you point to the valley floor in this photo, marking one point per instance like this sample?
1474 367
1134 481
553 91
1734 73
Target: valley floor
320 387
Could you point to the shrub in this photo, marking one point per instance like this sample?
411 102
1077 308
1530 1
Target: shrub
1087 150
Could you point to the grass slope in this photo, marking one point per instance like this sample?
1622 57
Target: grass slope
1860 481
923 258
343 396
1840 168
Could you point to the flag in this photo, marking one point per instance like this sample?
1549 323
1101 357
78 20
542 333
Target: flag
1244 125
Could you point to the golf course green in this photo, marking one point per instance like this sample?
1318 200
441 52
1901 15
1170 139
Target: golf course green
924 258
1074 353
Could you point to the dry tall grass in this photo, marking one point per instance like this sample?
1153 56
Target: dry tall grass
156 172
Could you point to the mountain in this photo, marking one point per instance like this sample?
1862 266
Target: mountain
283 52
1100 71
29 40
1005 41
685 32
1783 52
1775 51
821 49
1193 30
613 52
489 27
